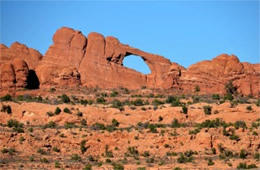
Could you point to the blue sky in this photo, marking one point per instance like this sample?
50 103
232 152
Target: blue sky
185 32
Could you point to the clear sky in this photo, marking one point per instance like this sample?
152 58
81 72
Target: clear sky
183 31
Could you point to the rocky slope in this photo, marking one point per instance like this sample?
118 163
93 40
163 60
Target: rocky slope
97 61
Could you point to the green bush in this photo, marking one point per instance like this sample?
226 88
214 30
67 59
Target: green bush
83 122
67 110
207 110
51 124
6 108
70 125
101 100
183 159
88 167
115 123
210 162
245 166
197 88
41 151
243 154
65 98
185 109
157 102
7 97
17 127
114 94
75 157
249 108
137 102
215 97
50 113
240 124
83 148
57 111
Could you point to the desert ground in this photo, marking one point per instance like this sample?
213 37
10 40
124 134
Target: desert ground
83 128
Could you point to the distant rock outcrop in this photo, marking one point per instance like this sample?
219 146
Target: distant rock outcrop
97 61
14 74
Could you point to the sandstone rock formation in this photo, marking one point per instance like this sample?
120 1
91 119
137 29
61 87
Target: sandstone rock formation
18 50
97 61
14 74
211 76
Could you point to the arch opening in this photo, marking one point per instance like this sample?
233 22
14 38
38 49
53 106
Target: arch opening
32 80
136 63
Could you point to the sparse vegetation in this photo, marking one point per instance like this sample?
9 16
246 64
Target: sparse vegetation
6 108
207 110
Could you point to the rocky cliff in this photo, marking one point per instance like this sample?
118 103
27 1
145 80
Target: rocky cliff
97 61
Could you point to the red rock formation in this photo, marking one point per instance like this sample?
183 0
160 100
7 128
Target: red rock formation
14 74
211 76
97 61
17 50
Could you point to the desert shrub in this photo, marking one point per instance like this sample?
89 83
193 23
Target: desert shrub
79 113
44 160
57 111
10 151
195 99
98 126
137 102
114 94
101 100
7 97
41 151
84 102
83 122
243 154
215 97
257 156
240 124
75 157
50 113
69 125
57 164
258 102
210 162
117 166
230 91
184 159
157 102
115 123
244 165
146 154
175 123
197 88
65 98
17 127
83 148
6 108
212 124
21 139
108 153
249 108
88 167
51 124
67 110
160 119
233 136
55 149
207 110
194 132
213 151
133 151
185 109
118 104
150 160
171 154
52 90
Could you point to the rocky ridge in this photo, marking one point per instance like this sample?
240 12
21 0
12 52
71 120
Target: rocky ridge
97 61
